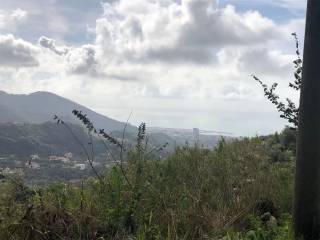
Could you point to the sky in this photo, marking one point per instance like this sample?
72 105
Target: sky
173 63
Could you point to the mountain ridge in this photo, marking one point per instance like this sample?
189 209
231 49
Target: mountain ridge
39 107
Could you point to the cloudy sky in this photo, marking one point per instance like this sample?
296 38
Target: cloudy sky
175 63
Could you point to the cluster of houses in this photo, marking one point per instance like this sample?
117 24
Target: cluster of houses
10 164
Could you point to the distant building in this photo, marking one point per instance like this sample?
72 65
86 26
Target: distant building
196 135
80 166
35 157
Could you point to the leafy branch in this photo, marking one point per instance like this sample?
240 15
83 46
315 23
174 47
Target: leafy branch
90 157
288 110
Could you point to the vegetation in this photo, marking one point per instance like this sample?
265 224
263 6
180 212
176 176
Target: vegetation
240 190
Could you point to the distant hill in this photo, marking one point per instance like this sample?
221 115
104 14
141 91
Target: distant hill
45 139
39 107
23 140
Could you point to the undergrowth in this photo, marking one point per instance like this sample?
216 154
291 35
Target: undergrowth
224 193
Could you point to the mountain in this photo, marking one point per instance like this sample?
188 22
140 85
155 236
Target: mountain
23 140
8 116
39 107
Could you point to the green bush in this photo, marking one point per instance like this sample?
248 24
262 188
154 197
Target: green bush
258 231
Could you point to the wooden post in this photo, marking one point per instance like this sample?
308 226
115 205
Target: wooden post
307 182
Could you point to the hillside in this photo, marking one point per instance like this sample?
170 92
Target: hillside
39 107
44 139
49 152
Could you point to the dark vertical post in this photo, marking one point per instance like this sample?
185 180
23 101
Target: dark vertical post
307 182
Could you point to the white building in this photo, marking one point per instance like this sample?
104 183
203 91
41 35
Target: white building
80 166
196 135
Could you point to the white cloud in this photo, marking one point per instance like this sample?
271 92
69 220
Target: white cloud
172 32
82 60
18 15
51 44
17 52
78 60
10 20
223 27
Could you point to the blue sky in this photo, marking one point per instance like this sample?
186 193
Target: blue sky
183 63
279 13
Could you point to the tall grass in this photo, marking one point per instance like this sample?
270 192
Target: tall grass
193 194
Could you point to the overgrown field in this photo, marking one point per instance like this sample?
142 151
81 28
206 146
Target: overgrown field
240 190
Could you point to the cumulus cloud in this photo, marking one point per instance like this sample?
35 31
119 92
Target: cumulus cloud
223 27
82 60
17 52
78 60
145 32
51 44
171 32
